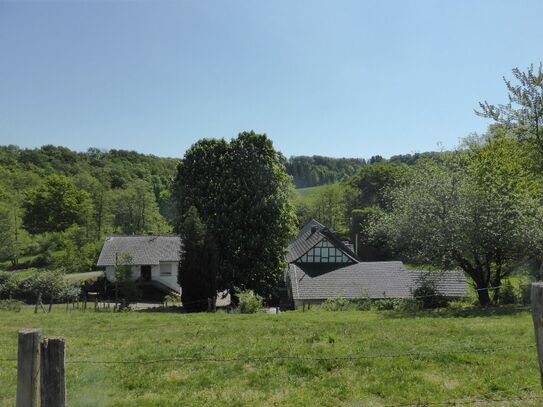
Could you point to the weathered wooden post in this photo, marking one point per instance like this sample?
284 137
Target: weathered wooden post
537 315
53 382
28 368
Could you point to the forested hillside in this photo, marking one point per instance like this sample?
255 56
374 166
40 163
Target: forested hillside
56 205
317 170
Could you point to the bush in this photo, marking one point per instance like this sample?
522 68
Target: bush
507 295
337 304
428 296
249 302
10 305
9 285
173 299
362 304
385 304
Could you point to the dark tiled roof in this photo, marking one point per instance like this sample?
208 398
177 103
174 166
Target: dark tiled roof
302 244
143 249
310 225
385 279
448 283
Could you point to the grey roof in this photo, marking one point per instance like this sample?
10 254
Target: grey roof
148 250
308 226
302 244
448 283
385 279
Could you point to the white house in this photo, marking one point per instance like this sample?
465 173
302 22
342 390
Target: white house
154 259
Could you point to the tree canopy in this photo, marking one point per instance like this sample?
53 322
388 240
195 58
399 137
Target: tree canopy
474 210
241 191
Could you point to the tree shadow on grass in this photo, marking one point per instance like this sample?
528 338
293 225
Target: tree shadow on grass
454 312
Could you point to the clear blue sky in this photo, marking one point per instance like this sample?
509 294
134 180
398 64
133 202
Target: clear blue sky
338 78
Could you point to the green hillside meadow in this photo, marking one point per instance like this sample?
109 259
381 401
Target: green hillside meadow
309 192
373 358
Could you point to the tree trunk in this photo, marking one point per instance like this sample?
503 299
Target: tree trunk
484 297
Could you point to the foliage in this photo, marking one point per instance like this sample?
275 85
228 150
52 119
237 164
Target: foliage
474 210
249 302
241 191
100 192
11 305
327 205
427 293
198 268
135 210
370 247
55 206
507 295
522 115
317 170
173 299
336 304
369 185
9 285
125 286
367 304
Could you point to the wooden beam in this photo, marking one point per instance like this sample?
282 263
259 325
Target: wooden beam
28 368
53 382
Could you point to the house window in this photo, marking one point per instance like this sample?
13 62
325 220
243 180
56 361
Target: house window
165 269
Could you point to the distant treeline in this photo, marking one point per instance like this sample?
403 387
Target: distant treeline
309 171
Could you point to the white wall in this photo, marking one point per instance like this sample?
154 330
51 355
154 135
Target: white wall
169 281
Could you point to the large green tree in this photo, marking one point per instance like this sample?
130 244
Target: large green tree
55 206
241 191
474 210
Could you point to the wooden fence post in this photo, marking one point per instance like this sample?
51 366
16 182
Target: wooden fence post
53 382
537 315
28 368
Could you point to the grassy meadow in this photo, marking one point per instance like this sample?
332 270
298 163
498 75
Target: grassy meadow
445 362
309 192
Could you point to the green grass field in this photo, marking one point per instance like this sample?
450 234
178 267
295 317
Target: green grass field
413 359
309 191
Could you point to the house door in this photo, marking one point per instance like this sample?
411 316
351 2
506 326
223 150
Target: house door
145 273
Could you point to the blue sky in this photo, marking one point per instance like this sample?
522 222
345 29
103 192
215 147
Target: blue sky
337 78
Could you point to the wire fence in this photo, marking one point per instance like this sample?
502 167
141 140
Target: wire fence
474 351
266 358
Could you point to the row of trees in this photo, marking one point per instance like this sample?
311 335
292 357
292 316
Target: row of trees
318 170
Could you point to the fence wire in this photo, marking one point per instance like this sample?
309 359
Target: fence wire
266 358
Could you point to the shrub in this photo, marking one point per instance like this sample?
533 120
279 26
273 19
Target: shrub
9 285
362 304
385 304
336 304
10 305
407 304
249 302
428 295
507 295
173 299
